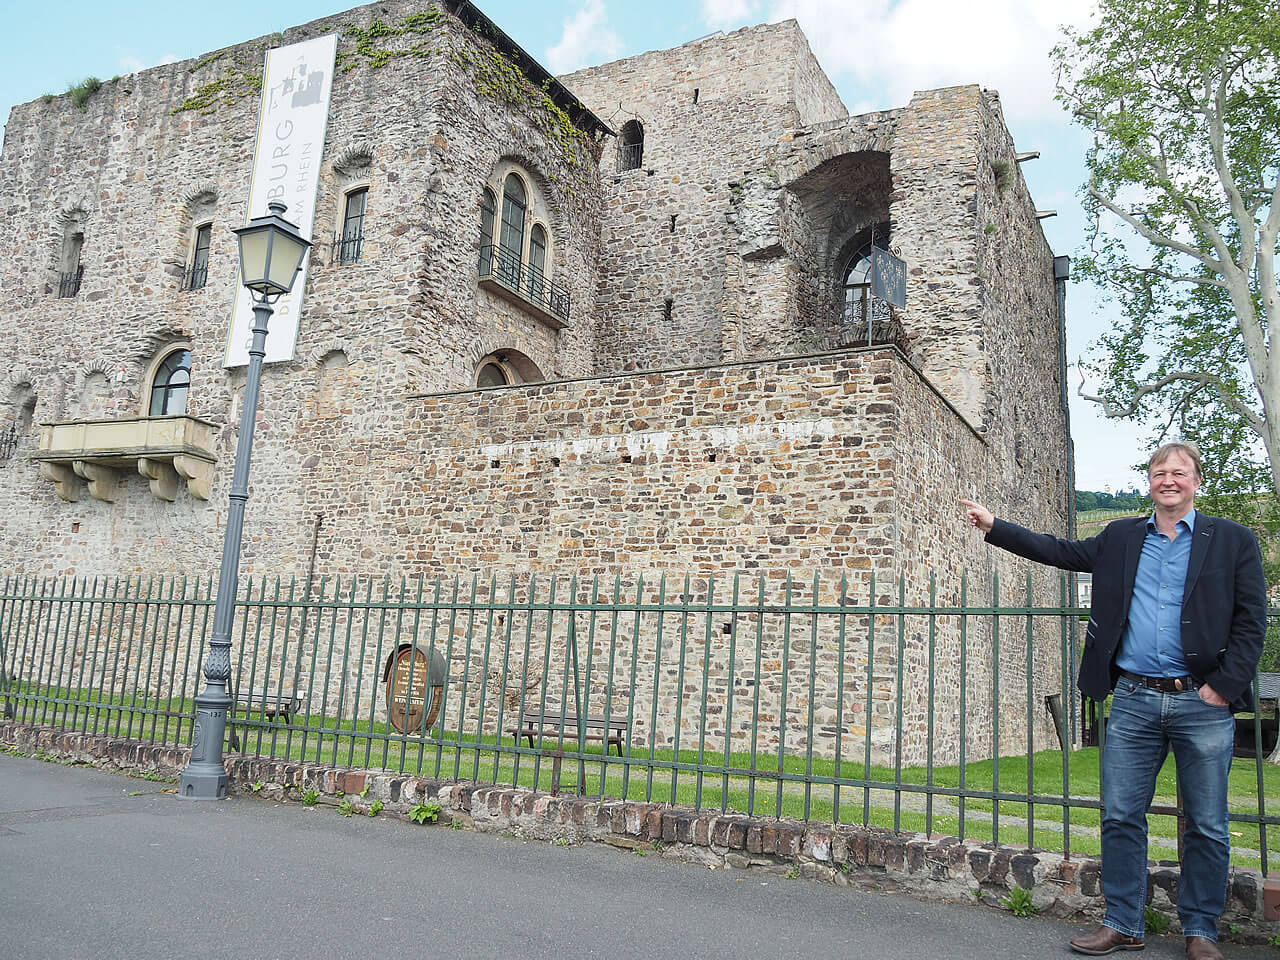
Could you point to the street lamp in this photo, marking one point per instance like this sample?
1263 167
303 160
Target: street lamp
271 252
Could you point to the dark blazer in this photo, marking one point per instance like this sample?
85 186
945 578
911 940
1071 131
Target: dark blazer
1224 608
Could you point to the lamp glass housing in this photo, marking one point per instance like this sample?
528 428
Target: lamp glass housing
271 252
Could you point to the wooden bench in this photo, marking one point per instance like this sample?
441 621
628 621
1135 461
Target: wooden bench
269 704
611 730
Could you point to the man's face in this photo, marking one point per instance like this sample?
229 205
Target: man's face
1174 483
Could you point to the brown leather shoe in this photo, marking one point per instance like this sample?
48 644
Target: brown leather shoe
1106 940
1202 948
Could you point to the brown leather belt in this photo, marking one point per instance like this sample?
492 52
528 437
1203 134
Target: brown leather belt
1163 684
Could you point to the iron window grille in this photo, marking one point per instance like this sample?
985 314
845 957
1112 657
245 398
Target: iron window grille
195 278
351 246
8 442
198 274
629 156
69 283
499 263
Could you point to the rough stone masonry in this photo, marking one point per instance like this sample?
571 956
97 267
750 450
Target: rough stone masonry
700 389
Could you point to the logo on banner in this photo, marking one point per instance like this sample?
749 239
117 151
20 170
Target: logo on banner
297 81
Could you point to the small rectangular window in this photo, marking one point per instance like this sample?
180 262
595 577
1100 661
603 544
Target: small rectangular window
72 270
352 245
198 275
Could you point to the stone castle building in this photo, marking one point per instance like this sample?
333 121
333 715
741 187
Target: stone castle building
614 322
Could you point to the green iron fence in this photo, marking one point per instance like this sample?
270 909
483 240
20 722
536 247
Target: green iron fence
819 700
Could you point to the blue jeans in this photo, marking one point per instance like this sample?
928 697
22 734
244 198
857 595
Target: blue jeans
1143 725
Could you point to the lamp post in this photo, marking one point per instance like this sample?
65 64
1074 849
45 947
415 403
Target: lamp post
271 252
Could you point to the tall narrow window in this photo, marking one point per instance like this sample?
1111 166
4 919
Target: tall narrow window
71 270
488 214
352 244
631 146
859 309
511 234
170 386
198 275
857 287
513 207
537 262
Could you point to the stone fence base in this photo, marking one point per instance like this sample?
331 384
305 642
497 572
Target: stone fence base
934 867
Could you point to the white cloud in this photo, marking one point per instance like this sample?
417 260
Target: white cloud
587 39
894 49
724 14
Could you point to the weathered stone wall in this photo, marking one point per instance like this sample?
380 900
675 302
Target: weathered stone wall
141 160
752 86
838 465
372 450
1022 339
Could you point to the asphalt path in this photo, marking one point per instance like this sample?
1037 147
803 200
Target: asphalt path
94 864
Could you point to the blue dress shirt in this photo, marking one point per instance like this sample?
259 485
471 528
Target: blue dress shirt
1152 644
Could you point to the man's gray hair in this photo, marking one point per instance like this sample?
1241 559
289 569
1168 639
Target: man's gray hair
1184 447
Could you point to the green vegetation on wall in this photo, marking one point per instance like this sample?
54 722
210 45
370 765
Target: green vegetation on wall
82 91
234 85
493 75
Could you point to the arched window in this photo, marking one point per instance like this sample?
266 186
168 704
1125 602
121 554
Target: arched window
491 374
857 286
537 261
517 253
506 367
631 146
488 214
170 385
859 309
511 238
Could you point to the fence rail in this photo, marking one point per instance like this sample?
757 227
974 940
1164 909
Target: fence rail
833 701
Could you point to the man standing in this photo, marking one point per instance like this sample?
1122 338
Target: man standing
1178 619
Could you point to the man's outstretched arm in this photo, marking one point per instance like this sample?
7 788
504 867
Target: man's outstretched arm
1040 547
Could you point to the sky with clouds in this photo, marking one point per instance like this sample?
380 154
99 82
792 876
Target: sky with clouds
877 52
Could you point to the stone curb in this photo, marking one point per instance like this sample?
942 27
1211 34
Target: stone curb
934 867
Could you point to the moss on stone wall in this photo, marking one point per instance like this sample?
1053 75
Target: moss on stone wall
493 75
232 87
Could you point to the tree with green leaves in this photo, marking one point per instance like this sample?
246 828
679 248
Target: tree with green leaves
1181 98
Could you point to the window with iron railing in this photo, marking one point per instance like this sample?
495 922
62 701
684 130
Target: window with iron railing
8 442
500 264
69 283
70 269
197 275
631 146
351 246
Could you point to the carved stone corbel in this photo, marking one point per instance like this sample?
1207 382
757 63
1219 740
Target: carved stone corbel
163 478
198 474
101 479
64 479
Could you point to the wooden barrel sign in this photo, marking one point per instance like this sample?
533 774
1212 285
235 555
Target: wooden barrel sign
413 689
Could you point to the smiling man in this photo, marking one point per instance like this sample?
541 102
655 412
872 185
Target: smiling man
1178 618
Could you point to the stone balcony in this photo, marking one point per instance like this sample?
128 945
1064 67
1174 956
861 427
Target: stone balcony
162 449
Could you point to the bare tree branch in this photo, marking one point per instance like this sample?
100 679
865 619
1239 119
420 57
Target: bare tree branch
1177 278
1113 411
1159 239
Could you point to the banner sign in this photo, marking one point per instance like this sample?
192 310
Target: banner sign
296 83
888 277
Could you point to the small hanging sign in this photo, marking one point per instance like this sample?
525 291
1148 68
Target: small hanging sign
888 277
